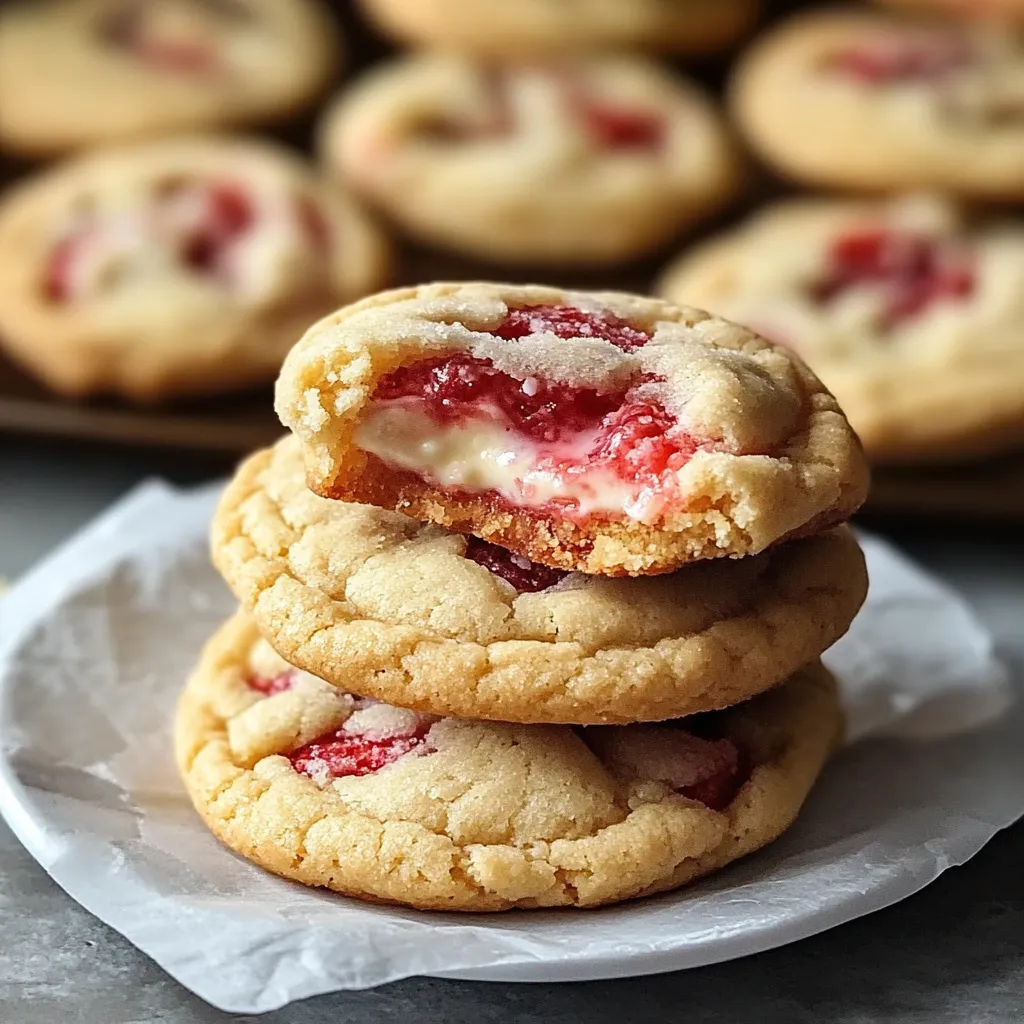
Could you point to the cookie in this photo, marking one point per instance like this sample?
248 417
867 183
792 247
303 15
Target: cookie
77 73
528 29
443 814
598 432
585 162
869 101
981 10
910 311
381 605
175 268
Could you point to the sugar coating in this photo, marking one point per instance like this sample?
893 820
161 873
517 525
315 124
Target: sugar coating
377 603
941 384
496 815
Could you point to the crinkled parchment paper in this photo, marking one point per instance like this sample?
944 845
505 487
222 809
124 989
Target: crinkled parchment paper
94 647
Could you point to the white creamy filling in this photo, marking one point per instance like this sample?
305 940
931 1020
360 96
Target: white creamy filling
481 455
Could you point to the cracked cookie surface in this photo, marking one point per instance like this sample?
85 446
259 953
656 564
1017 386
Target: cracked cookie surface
581 161
859 99
382 605
442 814
78 73
179 267
910 311
593 431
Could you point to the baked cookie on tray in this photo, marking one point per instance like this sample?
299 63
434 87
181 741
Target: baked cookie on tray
379 604
600 432
77 73
909 310
531 28
588 162
442 814
866 100
178 267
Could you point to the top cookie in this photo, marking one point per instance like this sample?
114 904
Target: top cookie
910 311
82 72
864 100
526 28
599 432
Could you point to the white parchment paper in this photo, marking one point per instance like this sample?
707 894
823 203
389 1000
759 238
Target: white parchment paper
94 647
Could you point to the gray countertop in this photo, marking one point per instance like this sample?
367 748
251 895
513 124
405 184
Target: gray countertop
953 953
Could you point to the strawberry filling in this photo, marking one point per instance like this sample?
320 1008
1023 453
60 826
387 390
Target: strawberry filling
273 685
340 755
894 60
133 29
721 778
526 576
608 126
911 272
460 421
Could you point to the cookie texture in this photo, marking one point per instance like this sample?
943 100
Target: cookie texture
173 268
77 73
712 442
909 309
442 814
528 28
381 605
584 161
867 100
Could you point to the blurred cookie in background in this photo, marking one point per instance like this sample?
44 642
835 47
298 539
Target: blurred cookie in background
76 73
871 101
178 267
526 28
911 313
585 163
994 10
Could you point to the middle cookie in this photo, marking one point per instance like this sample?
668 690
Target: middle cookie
426 619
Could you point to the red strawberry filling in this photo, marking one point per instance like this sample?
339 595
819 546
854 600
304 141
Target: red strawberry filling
722 777
134 29
526 576
272 685
910 271
460 421
895 59
342 754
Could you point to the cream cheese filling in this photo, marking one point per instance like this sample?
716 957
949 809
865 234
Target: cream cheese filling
480 454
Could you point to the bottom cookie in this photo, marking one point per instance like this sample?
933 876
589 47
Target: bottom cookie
386 804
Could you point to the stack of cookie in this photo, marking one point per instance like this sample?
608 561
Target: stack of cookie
532 602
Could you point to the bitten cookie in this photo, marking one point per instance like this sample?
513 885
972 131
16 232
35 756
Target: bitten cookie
912 314
585 162
171 268
441 814
77 73
379 604
865 100
601 432
530 28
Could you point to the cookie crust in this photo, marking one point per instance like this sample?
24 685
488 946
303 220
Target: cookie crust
944 386
381 605
723 379
174 335
497 816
